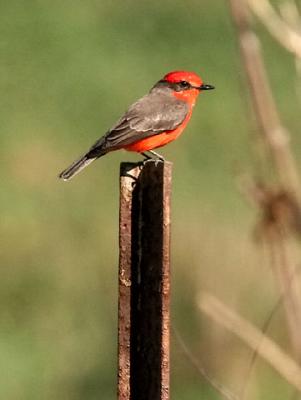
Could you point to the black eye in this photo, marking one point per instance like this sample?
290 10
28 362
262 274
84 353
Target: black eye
185 84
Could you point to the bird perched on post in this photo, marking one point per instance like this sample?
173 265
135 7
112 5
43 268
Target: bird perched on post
151 122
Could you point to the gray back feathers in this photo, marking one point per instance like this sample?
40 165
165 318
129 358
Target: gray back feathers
157 112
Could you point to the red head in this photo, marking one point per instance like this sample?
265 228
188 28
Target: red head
186 85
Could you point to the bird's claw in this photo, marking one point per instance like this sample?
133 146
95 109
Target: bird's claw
158 158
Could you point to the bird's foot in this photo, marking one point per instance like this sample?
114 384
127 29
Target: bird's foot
157 157
146 159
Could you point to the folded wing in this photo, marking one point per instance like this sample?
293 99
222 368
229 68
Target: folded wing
151 115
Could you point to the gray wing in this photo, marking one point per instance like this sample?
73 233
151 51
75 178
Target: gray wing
149 116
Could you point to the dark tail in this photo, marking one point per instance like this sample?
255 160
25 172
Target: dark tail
76 167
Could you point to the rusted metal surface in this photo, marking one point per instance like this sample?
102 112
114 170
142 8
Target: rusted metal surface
144 281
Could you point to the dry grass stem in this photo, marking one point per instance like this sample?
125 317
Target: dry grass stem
280 217
221 389
248 333
274 133
283 263
283 31
280 207
290 13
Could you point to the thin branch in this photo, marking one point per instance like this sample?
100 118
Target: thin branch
284 33
290 13
283 263
277 142
274 133
265 328
244 330
221 389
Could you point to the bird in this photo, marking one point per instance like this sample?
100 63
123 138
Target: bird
153 121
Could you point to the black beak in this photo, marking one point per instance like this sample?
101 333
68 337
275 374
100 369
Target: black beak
206 87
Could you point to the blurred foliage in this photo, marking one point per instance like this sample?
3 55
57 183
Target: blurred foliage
67 71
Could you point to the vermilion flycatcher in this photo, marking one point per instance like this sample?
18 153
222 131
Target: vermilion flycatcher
153 121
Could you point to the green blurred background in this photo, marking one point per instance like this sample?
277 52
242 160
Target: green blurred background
68 69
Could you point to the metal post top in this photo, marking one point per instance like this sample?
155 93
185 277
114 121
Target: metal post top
126 167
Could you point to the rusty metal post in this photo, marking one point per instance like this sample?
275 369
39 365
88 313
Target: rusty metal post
144 281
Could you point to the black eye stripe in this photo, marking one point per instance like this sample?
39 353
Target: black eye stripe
177 86
182 85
